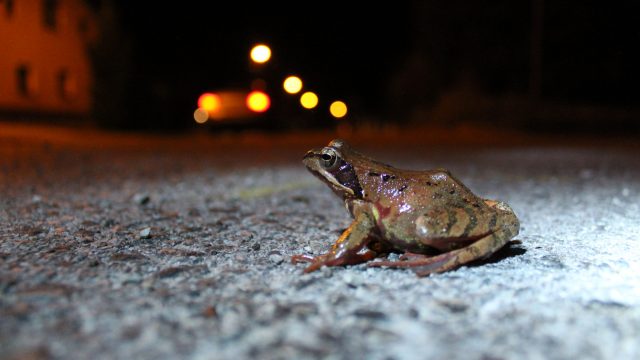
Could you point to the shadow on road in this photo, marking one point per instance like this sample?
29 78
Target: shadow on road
511 249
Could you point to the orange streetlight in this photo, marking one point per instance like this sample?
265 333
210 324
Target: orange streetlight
260 53
309 100
257 101
338 109
209 102
292 84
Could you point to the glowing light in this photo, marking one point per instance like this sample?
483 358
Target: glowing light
338 109
209 102
260 53
258 101
201 115
292 84
309 100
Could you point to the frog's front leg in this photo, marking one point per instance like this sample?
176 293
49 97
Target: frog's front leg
348 250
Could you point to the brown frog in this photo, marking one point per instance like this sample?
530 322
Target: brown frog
429 215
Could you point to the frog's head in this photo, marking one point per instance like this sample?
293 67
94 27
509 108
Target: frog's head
335 165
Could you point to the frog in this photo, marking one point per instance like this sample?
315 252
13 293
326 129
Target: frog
429 217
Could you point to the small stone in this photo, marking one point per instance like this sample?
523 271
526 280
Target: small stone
20 310
276 258
413 313
93 263
210 312
370 314
36 199
127 256
170 272
48 289
40 352
180 252
246 235
255 246
145 233
455 305
301 199
131 332
141 198
32 231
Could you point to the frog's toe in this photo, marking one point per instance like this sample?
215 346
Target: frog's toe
296 259
313 267
316 261
323 260
412 256
436 264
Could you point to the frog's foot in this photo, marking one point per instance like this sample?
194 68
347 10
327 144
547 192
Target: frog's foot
329 260
424 265
419 263
405 260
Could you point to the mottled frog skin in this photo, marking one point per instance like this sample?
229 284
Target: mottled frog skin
429 215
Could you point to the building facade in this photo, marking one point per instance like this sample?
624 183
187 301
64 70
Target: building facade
44 57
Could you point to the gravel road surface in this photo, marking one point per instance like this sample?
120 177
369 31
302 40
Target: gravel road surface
157 249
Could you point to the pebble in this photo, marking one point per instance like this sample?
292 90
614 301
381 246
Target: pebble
141 198
145 233
276 258
210 312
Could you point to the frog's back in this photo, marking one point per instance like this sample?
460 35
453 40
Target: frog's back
433 188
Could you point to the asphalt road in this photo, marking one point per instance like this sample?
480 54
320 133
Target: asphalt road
122 246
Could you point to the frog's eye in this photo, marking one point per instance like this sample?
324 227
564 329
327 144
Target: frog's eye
328 158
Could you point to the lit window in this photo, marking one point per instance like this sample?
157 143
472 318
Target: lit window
49 12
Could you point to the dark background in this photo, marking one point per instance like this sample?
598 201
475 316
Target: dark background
405 62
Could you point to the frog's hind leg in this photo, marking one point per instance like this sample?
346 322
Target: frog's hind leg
425 265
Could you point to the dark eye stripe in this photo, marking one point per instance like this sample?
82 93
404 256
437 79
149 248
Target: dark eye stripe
346 176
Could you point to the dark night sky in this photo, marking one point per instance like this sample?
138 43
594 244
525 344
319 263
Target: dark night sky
361 52
336 50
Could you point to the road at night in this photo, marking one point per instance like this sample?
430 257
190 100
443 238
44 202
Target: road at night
153 247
